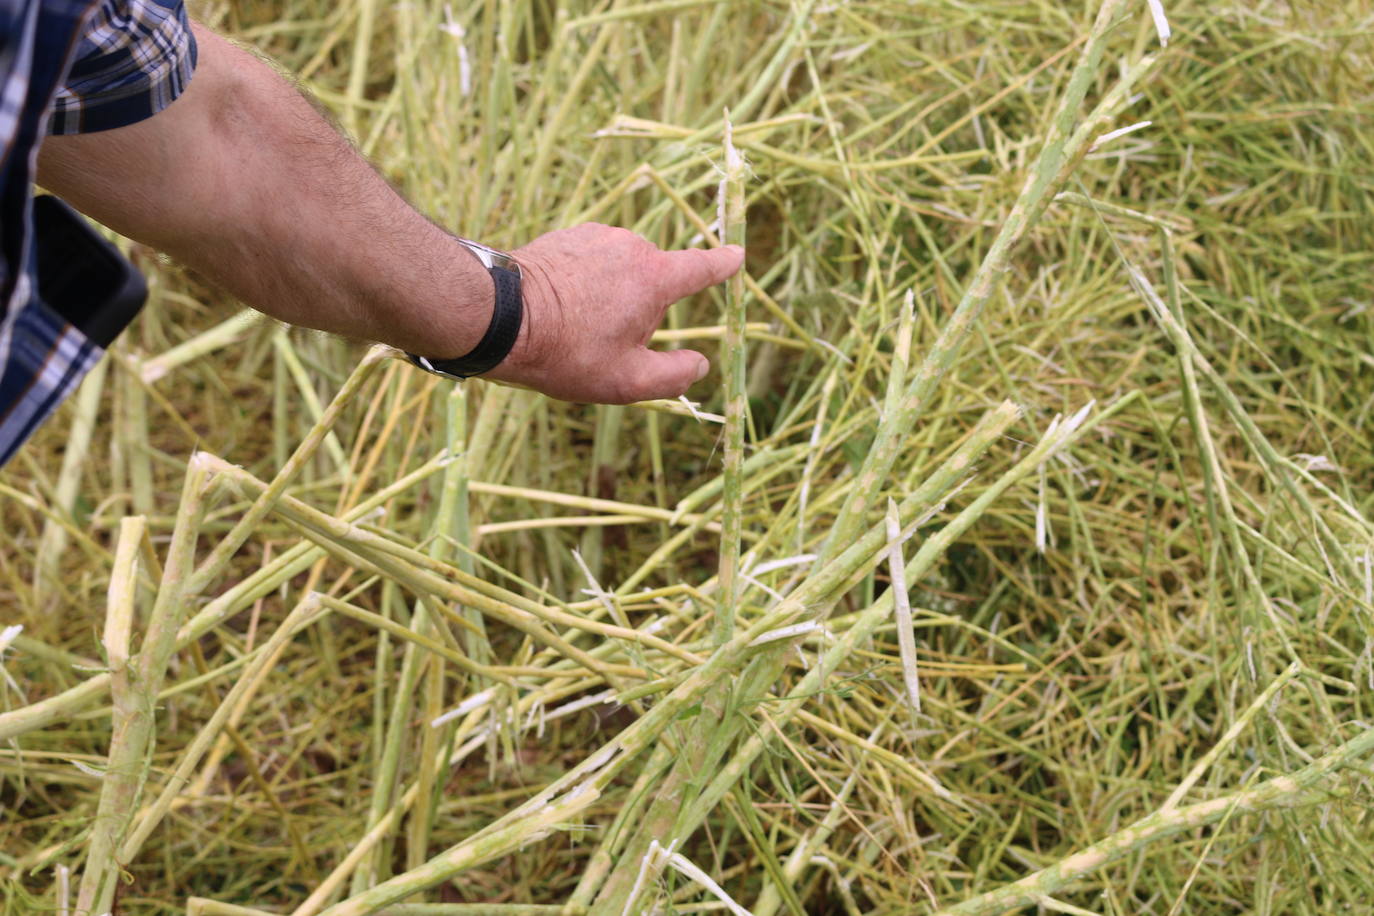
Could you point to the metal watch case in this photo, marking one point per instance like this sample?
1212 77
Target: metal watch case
490 257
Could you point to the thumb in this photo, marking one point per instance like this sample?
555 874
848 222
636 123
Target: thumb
650 374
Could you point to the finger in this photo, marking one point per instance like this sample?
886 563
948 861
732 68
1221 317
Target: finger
650 374
691 270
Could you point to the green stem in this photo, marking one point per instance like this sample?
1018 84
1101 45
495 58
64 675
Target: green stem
305 614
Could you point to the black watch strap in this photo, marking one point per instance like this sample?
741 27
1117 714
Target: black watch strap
497 342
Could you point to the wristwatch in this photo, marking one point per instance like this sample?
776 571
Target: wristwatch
505 319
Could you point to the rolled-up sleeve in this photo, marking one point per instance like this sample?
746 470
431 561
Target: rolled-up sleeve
135 57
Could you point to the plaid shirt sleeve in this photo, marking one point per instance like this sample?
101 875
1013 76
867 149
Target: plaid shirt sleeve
130 60
44 359
133 60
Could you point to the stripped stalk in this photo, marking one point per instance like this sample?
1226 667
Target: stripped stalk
226 333
906 639
126 750
734 357
135 689
1224 743
450 526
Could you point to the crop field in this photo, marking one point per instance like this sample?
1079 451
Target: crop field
1017 554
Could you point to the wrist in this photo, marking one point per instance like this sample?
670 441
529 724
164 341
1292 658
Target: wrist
502 330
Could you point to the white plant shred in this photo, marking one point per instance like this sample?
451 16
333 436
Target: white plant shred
1161 21
464 61
1315 462
688 870
782 563
1111 135
901 601
465 707
796 629
1041 522
645 864
7 636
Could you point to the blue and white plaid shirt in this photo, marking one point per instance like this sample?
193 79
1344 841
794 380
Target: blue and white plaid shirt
66 66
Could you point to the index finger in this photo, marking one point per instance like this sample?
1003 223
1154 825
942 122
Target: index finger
690 270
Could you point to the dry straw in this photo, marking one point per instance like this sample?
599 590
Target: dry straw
1021 557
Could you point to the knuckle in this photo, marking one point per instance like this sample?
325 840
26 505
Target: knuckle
627 237
595 233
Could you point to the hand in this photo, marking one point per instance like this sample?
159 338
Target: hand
594 295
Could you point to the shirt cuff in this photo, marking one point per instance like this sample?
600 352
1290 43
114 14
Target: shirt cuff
134 58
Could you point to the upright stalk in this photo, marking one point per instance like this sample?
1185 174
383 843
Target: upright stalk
734 361
122 766
135 687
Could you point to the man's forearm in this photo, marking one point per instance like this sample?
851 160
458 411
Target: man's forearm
244 181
